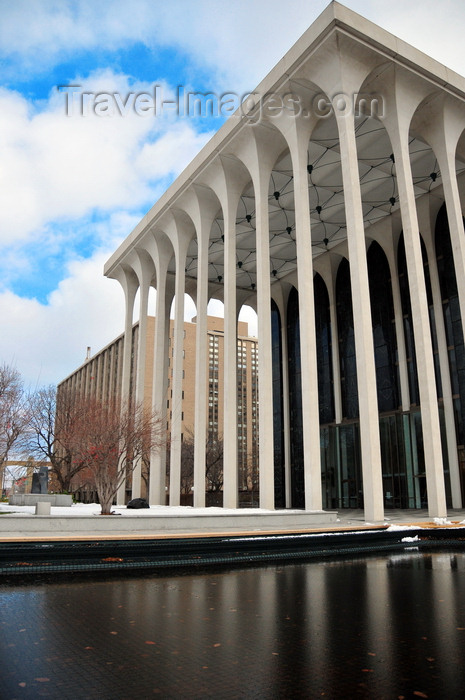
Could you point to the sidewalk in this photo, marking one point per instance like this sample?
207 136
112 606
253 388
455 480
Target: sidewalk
83 522
400 517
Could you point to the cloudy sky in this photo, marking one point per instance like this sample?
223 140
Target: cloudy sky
72 187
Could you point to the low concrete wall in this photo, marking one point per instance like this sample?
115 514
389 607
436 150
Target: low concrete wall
43 508
95 525
31 499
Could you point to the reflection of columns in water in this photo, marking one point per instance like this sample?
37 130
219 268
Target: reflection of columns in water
378 620
317 605
268 624
446 608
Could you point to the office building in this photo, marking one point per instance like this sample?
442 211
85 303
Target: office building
332 202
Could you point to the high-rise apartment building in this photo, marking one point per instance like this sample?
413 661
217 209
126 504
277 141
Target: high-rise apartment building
101 376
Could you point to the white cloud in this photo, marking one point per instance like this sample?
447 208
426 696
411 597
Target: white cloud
46 342
171 153
437 30
229 38
61 167
58 171
239 41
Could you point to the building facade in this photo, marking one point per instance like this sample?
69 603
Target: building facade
101 376
332 203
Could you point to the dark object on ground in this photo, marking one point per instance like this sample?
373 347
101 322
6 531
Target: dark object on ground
138 503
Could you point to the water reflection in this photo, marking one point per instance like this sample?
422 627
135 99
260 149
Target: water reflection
377 627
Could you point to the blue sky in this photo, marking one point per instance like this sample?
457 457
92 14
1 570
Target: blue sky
73 187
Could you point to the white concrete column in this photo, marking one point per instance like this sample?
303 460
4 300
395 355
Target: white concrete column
364 349
449 417
335 352
127 345
399 324
296 132
176 401
444 126
157 494
258 148
230 476
140 374
308 353
265 383
421 325
456 229
129 283
227 179
201 375
286 407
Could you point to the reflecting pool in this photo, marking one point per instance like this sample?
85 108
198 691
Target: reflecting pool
376 627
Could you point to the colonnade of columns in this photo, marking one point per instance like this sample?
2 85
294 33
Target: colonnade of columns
176 237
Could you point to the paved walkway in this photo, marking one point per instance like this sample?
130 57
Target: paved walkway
20 529
398 517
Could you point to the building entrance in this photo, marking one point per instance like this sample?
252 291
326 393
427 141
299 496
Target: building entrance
403 464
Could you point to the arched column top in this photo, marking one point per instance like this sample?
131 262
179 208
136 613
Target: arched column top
340 52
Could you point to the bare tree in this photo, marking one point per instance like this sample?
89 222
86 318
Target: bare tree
13 412
213 463
54 417
187 464
109 441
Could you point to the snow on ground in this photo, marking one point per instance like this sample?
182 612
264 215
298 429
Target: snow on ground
82 509
392 528
87 509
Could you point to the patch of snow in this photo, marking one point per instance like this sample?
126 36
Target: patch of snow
442 521
410 539
87 509
300 535
392 528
